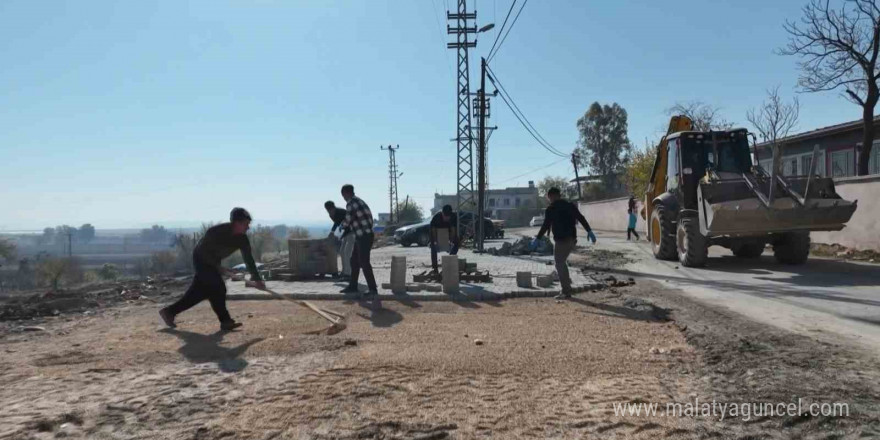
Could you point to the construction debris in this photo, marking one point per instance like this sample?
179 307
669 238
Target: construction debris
524 246
83 299
840 251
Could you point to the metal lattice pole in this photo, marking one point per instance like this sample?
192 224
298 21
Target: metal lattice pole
464 137
392 184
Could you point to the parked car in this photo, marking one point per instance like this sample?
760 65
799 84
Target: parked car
536 221
420 233
413 234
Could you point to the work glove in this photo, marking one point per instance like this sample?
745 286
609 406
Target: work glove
591 236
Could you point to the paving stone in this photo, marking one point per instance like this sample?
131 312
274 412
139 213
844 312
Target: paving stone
502 268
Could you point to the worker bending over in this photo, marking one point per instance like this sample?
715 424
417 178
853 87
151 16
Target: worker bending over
347 238
444 220
218 243
560 217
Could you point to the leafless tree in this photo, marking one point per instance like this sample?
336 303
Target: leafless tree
774 120
704 116
838 49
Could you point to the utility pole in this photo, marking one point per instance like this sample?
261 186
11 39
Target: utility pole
69 243
481 157
574 162
392 183
463 137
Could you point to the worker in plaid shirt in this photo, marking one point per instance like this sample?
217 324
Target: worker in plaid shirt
359 220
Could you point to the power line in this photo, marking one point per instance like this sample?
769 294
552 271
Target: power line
501 29
442 36
504 91
492 55
556 153
532 171
520 117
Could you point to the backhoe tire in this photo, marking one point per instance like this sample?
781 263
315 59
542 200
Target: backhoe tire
792 248
693 250
662 235
748 249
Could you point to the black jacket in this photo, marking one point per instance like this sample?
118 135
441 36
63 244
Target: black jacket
561 217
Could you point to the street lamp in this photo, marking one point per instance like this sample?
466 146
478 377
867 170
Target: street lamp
487 27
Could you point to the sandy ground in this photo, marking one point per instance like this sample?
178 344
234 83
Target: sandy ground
545 369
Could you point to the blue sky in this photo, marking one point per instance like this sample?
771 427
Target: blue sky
124 114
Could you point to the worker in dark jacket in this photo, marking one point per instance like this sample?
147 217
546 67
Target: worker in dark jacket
444 220
347 239
561 217
218 243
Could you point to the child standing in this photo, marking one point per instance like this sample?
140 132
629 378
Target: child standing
631 229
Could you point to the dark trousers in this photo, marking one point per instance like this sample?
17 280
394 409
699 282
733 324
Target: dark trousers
633 232
360 260
206 284
452 251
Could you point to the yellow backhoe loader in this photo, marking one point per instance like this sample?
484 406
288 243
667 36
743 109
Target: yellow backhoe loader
707 189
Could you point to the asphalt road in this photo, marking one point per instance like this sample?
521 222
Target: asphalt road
832 300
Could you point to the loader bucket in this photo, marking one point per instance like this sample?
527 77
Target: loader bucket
732 207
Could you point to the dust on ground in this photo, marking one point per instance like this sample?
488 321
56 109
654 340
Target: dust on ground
524 368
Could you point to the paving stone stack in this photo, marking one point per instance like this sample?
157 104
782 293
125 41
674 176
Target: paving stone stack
310 257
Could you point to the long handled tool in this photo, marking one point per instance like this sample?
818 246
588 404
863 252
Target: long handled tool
337 320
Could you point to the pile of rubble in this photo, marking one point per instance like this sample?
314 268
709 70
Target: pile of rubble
525 246
82 299
840 251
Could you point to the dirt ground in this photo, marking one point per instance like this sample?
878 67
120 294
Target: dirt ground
545 369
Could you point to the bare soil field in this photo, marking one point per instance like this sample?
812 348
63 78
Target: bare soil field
516 369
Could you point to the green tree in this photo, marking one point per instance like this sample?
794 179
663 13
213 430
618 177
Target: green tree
280 232
298 232
48 236
162 262
155 234
7 249
409 212
108 271
603 142
262 241
569 191
86 233
638 171
55 270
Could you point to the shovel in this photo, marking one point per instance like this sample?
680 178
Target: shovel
337 320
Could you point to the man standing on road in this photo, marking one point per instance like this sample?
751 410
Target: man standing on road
347 246
218 243
445 219
359 220
560 217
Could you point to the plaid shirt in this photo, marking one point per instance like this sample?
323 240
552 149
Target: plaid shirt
358 218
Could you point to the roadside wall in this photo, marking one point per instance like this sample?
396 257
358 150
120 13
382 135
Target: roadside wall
609 215
863 230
